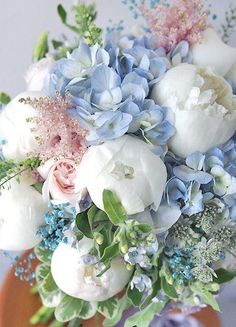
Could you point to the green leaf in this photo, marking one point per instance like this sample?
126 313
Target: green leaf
168 289
57 44
62 13
210 299
224 276
114 208
4 98
87 310
42 271
42 254
68 309
42 316
108 308
110 252
135 296
41 47
143 318
48 284
52 299
38 187
83 225
123 304
145 228
155 289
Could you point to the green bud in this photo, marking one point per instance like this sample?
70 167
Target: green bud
99 238
129 267
41 47
123 248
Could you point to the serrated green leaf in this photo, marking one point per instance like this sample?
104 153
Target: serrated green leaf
108 308
123 304
41 47
42 254
48 284
135 296
168 289
143 318
68 309
62 13
4 98
113 208
88 310
224 276
83 225
42 271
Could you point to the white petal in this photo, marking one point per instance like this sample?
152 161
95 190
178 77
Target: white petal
80 281
212 52
22 210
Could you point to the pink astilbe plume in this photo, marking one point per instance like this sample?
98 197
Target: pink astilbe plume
58 135
183 20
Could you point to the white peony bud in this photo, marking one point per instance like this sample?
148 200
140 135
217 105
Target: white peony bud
127 167
203 105
79 280
15 129
22 210
212 52
37 72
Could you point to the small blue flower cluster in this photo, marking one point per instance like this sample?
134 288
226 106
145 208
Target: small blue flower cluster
58 221
110 87
180 264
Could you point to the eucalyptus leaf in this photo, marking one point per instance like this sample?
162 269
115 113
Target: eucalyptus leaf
114 208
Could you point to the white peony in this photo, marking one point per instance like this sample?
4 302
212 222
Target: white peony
78 280
212 52
22 210
127 167
15 129
203 105
37 72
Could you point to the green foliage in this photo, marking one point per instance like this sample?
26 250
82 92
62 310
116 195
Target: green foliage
41 47
230 24
85 16
168 289
114 208
109 307
83 225
68 309
135 296
144 317
205 292
10 169
42 254
123 304
43 316
224 276
4 98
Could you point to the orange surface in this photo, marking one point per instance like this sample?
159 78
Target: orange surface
17 305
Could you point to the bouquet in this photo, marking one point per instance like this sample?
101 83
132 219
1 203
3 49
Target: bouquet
118 166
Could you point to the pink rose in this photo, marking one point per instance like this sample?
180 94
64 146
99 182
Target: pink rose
61 184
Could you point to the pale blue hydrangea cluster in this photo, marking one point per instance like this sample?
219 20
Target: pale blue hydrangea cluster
202 178
110 87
